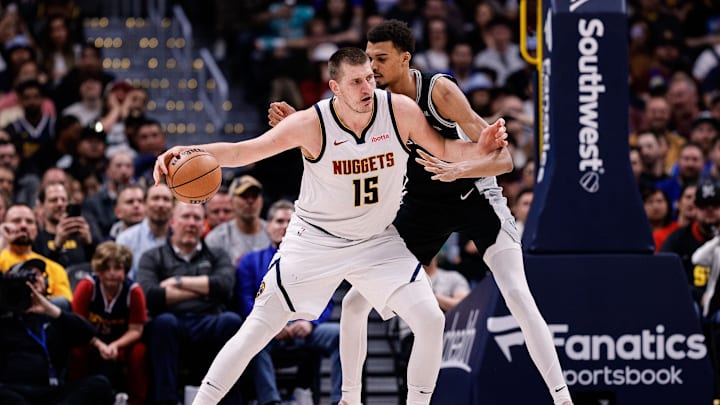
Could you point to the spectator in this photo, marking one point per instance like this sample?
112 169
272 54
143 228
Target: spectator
89 107
129 208
685 241
704 131
659 214
687 211
116 308
689 168
101 206
318 335
26 184
657 119
34 128
149 143
684 103
10 108
58 50
218 210
125 102
434 59
19 232
189 287
7 180
68 90
521 208
652 158
247 232
89 157
65 236
151 231
460 67
501 55
636 163
34 348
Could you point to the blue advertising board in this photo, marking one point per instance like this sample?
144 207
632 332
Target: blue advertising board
585 199
624 328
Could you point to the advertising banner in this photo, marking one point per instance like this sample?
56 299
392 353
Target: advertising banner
623 338
585 191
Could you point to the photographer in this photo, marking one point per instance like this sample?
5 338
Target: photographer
35 344
20 230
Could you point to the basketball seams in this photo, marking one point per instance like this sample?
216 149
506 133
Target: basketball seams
190 159
196 178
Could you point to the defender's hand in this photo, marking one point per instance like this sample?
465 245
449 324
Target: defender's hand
493 137
442 170
278 111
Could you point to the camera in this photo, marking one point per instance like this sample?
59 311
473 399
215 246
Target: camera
14 293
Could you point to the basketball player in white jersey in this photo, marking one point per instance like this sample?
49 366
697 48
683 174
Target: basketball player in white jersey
466 199
355 152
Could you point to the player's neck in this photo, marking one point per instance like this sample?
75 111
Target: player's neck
405 85
354 120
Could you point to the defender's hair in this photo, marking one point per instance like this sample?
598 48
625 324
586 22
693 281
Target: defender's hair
394 31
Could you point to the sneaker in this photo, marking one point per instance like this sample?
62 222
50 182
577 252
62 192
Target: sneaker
303 396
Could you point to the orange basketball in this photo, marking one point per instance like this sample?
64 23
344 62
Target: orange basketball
194 177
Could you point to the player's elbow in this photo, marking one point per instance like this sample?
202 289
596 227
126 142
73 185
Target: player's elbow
506 164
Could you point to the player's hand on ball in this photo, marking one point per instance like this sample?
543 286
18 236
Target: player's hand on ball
278 111
443 171
162 162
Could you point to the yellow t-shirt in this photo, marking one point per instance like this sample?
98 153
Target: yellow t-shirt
58 283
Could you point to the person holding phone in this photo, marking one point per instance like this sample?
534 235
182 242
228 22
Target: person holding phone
65 236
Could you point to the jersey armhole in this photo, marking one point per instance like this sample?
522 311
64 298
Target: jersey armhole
323 138
406 148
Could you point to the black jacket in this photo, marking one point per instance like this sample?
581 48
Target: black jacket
23 360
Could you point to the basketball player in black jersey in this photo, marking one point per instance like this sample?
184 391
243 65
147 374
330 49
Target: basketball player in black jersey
431 210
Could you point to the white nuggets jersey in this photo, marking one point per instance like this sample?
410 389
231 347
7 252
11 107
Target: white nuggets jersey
353 189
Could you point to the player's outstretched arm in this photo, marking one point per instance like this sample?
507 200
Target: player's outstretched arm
452 104
302 129
412 124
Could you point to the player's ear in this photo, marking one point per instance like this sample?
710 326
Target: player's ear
406 57
333 86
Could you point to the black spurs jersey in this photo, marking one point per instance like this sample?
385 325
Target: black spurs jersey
419 182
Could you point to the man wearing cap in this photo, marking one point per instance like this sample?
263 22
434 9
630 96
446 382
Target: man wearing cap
34 348
246 232
686 240
20 230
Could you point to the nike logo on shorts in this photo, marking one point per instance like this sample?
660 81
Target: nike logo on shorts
560 389
466 195
336 143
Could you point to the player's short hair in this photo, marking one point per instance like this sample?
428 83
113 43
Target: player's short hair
277 206
349 56
394 31
111 252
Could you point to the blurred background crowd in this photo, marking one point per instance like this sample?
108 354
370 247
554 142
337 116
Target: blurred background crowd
80 130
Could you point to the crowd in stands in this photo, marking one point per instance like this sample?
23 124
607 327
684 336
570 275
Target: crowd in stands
141 291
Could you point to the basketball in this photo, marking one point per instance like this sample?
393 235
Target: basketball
194 177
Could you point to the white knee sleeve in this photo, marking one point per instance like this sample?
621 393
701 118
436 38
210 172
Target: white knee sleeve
353 343
504 258
263 323
416 304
